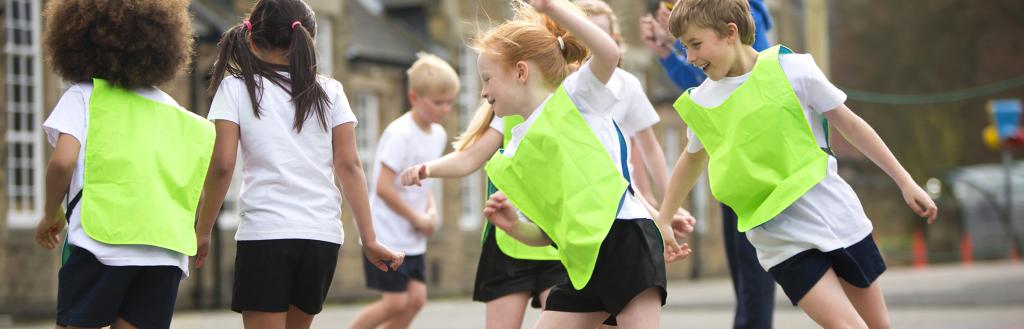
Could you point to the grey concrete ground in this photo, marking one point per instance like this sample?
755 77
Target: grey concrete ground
985 295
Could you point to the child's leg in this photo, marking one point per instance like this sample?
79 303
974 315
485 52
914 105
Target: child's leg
264 320
870 304
297 319
121 323
390 305
416 297
827 304
569 320
644 311
506 312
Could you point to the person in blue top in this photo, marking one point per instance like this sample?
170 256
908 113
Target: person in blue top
754 287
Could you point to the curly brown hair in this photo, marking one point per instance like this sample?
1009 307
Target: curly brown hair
131 43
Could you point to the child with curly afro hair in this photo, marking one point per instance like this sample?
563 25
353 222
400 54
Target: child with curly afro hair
132 205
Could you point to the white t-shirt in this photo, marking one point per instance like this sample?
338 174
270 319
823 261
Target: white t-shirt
71 116
404 144
288 189
594 101
634 112
827 217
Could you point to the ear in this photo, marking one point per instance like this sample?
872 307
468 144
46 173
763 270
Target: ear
734 32
522 71
412 96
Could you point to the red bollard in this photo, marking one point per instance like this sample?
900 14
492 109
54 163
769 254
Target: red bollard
920 250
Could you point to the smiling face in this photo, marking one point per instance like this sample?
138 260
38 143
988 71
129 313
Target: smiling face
501 89
713 53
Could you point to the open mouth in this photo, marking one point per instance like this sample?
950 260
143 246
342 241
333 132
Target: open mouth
705 67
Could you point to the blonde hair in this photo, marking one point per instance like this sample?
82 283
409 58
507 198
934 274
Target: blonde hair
715 15
431 74
477 127
597 8
528 37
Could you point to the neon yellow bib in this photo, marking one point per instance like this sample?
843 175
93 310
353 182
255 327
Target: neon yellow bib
562 178
762 153
507 244
145 163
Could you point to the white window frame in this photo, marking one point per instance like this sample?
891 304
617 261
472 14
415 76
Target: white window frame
30 134
471 187
367 111
324 46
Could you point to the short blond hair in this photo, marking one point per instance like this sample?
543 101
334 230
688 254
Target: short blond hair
598 8
431 74
715 15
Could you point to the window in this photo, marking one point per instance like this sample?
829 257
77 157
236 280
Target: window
367 110
471 187
324 47
24 110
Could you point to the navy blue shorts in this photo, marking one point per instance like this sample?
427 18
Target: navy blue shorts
92 295
413 268
270 275
859 264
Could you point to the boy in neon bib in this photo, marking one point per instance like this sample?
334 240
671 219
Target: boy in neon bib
757 124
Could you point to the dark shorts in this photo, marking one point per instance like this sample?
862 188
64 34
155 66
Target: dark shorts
499 275
631 260
413 268
92 295
270 275
859 264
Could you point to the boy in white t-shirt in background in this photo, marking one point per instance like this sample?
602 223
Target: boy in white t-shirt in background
404 216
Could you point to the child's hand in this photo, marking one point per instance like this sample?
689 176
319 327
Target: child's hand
427 223
202 249
500 212
380 256
683 223
413 175
673 250
920 202
48 232
663 14
541 5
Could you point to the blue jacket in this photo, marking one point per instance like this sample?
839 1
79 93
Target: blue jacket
686 76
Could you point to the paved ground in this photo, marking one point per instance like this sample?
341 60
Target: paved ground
982 296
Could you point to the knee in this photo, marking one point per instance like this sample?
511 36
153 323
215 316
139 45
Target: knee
415 303
394 306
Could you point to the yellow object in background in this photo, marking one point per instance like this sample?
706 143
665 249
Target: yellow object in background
991 138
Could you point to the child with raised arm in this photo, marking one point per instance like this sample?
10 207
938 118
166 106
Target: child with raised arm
758 124
565 168
404 216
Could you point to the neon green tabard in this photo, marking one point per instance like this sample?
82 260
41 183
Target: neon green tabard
145 163
507 244
762 153
562 178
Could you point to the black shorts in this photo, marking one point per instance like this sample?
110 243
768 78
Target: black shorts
270 275
499 275
859 264
413 268
631 260
92 295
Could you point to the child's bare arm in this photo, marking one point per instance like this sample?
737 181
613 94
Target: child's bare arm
654 159
349 172
389 194
604 51
500 212
456 164
684 176
215 188
865 139
58 178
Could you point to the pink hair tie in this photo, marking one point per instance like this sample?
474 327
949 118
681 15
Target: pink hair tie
295 23
248 25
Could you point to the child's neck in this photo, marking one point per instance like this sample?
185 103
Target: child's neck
744 62
421 122
537 93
